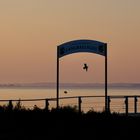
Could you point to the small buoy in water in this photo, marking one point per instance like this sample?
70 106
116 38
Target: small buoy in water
65 92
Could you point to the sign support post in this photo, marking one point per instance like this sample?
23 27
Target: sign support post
57 98
82 46
106 81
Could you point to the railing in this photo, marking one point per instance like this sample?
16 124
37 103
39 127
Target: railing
127 104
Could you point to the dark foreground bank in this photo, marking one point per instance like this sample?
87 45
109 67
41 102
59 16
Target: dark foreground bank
66 123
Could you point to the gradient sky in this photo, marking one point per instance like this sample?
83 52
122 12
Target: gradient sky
30 30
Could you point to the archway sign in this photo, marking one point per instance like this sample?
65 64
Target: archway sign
76 46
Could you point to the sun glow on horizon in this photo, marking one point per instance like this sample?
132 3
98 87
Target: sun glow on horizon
31 30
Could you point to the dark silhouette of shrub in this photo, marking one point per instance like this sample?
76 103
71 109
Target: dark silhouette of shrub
19 106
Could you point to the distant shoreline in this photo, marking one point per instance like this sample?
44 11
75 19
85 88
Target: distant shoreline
70 85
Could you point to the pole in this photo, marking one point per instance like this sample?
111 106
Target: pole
46 104
135 104
57 82
106 106
79 104
126 105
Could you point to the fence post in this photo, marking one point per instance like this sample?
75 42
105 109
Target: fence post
126 105
79 104
108 103
46 104
135 104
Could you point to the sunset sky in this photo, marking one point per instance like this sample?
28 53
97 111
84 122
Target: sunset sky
30 31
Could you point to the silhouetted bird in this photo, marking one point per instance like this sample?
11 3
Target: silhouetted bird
65 92
85 67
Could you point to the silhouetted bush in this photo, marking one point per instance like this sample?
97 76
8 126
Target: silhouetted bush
19 106
65 109
37 109
10 106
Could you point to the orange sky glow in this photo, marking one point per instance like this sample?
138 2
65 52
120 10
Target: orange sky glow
30 30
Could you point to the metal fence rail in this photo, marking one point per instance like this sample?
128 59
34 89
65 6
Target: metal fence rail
120 104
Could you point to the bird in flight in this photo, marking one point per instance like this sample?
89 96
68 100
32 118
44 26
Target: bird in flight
65 92
85 67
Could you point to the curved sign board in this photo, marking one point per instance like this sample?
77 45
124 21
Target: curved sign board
82 46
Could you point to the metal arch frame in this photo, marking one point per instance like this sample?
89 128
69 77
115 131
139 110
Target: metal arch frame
106 77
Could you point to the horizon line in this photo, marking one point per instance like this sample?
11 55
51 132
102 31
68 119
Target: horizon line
53 84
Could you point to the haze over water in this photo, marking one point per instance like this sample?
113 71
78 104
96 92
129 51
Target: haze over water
42 92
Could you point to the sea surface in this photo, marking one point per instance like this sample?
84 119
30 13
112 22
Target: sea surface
93 103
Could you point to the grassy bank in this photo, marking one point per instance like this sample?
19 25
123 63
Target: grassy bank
65 123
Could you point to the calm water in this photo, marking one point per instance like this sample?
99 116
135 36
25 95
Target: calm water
87 103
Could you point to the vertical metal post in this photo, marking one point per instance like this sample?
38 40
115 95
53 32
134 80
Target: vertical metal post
106 106
126 105
135 104
79 104
57 82
109 103
46 104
